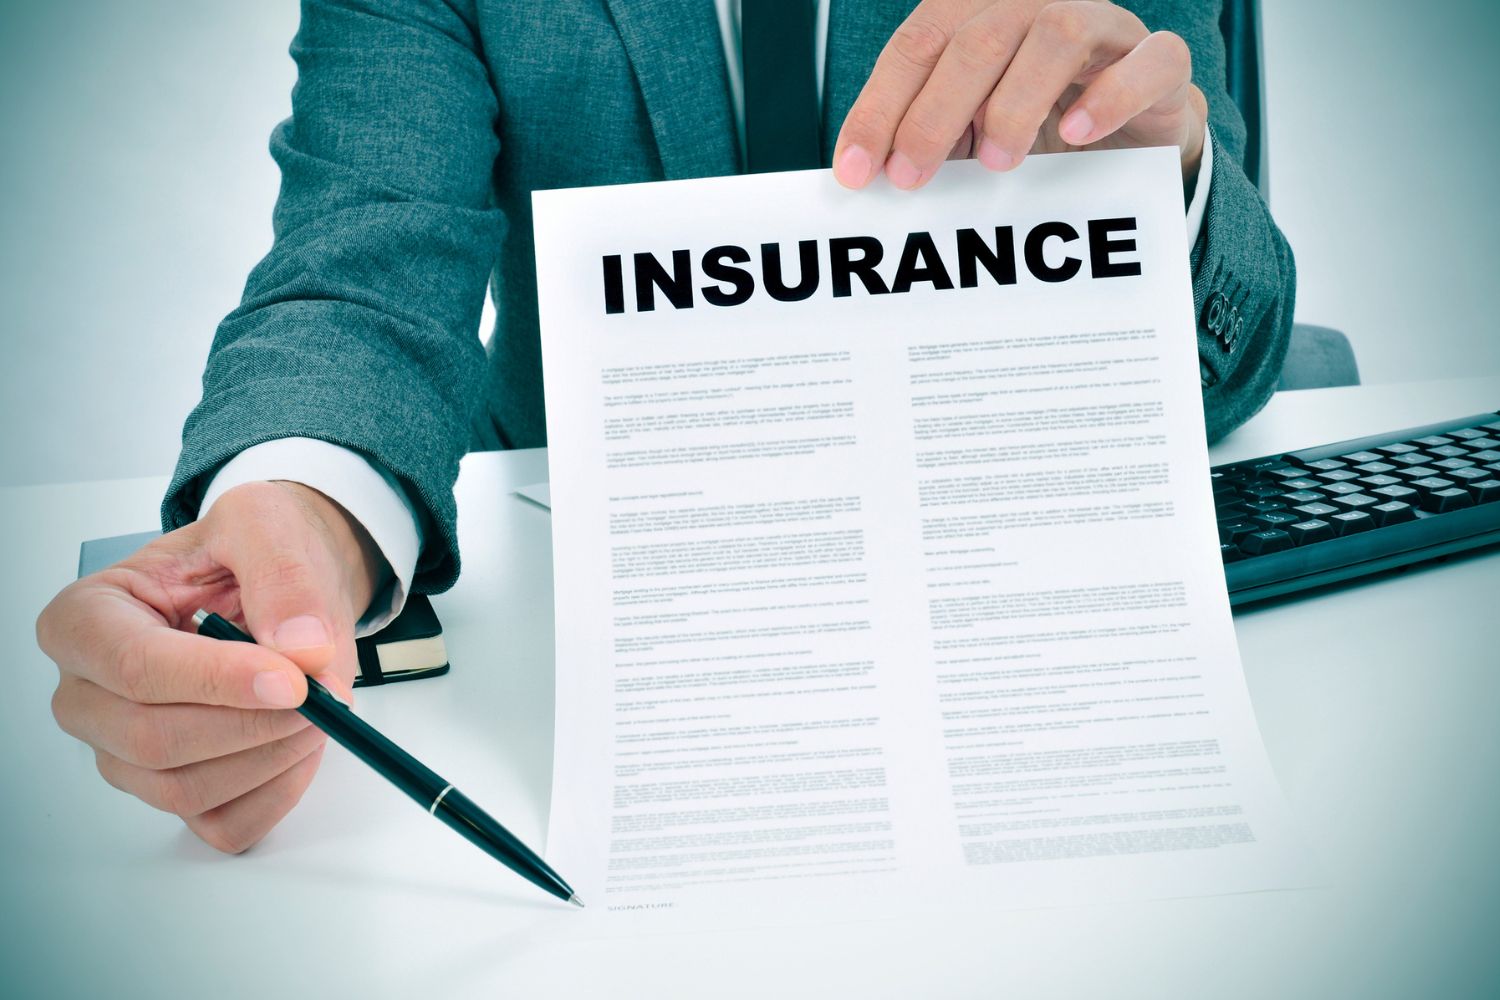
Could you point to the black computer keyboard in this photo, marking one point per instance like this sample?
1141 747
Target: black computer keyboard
1321 515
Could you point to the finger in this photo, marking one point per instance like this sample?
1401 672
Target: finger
293 588
901 69
1154 77
110 639
194 789
164 736
241 823
1067 42
964 76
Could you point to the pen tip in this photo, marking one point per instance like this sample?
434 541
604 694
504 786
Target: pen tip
199 617
576 901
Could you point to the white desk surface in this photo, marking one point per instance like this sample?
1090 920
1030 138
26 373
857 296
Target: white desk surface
1378 702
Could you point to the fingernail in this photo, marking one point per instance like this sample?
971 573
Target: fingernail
853 169
302 632
902 172
1077 127
992 156
274 689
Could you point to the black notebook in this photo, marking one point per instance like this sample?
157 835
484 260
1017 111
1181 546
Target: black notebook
411 646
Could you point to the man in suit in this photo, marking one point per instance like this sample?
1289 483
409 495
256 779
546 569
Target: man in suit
314 489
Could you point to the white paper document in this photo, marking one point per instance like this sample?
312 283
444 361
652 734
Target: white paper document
887 574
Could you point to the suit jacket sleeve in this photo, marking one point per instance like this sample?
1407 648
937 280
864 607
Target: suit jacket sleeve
1244 278
360 325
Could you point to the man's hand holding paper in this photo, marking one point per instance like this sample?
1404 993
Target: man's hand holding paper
1001 80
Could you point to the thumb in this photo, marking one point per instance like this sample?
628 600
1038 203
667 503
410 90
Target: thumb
292 582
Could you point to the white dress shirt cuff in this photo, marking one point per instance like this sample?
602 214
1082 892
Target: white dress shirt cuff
1199 205
370 494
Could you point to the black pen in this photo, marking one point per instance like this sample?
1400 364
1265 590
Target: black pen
410 775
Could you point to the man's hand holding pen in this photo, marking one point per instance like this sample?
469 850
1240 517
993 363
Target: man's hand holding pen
205 729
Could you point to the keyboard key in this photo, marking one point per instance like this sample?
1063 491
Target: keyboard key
1325 464
1261 543
1376 481
1375 468
1343 489
1485 491
1397 449
1402 493
1412 457
1442 501
1302 496
1275 519
1354 501
1479 444
1487 455
1230 553
1307 532
1266 506
1316 510
1338 475
1464 477
1467 433
1449 451
1431 484
1418 472
1494 426
1433 441
1288 472
1453 463
1221 484
1301 484
1231 532
1351 522
1261 491
1393 512
1361 456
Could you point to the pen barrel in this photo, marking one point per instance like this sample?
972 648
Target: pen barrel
476 826
362 740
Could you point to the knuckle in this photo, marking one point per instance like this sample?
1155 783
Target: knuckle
146 741
924 135
176 793
867 121
1063 24
1003 122
132 670
919 41
1175 50
104 764
981 45
62 627
259 726
62 712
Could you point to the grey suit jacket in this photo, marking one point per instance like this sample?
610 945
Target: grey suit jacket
420 128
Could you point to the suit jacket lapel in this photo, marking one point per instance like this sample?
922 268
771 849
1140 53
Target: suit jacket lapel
857 31
678 56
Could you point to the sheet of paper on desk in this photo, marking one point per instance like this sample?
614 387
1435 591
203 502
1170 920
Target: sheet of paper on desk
896 586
